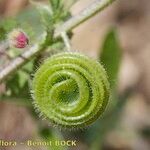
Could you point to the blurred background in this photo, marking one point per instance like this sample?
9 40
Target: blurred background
126 125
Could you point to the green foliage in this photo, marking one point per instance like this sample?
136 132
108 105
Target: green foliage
8 24
34 22
28 20
71 90
111 56
33 25
59 11
45 13
18 86
2 34
79 88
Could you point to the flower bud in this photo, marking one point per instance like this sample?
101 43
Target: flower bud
18 38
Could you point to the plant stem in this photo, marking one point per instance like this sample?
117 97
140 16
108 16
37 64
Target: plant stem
3 46
66 41
21 60
18 62
84 15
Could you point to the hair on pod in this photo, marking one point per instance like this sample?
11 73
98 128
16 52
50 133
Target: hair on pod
71 90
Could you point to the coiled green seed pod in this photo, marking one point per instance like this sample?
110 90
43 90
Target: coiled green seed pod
71 90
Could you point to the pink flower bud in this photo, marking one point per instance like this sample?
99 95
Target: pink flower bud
18 39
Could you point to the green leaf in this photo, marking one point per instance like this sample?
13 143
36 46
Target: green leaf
23 78
67 3
45 12
32 25
12 86
8 24
28 20
55 4
60 10
111 56
29 66
17 86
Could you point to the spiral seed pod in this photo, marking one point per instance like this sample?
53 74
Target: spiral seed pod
71 90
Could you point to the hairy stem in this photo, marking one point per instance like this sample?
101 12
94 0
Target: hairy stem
66 41
84 15
18 62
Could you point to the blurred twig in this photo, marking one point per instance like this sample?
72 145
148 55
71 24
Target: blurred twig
18 62
3 46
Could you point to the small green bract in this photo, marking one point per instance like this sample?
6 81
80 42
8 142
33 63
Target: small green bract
71 90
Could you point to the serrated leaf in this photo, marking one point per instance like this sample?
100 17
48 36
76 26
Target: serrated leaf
67 3
111 56
55 4
45 12
60 10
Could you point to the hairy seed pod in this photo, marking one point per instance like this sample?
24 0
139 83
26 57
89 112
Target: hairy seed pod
71 90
